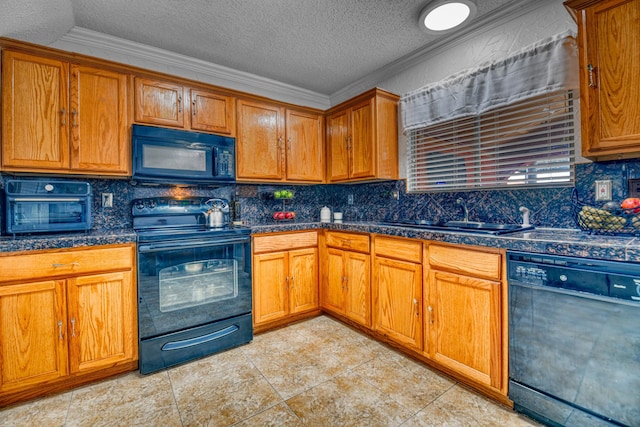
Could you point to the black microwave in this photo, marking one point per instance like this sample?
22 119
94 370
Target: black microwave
171 156
45 206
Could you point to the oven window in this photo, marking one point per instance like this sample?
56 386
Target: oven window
196 283
38 213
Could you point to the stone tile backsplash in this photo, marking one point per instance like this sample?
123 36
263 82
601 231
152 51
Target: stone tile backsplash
550 207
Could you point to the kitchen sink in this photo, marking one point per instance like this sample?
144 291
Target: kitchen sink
466 226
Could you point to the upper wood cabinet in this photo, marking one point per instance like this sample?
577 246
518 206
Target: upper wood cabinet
362 138
609 42
62 117
278 144
172 104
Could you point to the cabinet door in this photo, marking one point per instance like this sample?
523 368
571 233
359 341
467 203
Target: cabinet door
397 301
362 145
610 92
270 297
102 320
100 140
303 280
259 145
159 103
305 148
358 287
33 334
465 333
211 112
333 284
337 146
35 112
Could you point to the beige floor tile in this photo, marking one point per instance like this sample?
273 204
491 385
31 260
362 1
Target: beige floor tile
127 400
220 390
413 388
347 400
461 407
48 411
278 416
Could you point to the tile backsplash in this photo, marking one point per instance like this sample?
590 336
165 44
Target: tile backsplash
550 207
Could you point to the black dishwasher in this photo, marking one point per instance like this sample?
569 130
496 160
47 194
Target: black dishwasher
574 340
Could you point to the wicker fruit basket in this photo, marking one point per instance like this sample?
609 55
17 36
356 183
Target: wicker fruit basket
611 220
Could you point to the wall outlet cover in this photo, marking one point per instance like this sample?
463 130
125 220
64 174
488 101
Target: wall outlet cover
603 190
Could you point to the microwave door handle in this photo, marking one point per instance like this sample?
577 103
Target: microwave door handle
214 161
46 199
167 246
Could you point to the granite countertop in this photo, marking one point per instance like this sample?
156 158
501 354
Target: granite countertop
569 242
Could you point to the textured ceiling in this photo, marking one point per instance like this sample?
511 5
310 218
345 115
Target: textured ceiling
319 45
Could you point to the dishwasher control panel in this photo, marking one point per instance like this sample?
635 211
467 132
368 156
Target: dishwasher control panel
606 278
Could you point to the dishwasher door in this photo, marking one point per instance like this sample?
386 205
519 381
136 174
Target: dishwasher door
574 352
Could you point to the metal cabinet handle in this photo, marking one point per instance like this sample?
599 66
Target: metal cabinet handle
71 264
592 80
291 282
60 330
286 281
193 104
74 113
73 326
415 304
430 314
64 116
179 104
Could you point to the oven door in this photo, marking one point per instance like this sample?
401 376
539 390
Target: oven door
50 214
186 284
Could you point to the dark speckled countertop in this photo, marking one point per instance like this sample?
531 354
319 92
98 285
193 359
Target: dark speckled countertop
554 241
569 242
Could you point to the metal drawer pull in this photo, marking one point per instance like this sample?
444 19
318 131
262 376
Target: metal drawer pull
177 345
64 116
179 104
71 264
75 118
193 103
591 70
430 314
415 303
73 326
60 330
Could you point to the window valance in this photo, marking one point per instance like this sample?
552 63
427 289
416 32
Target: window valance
547 66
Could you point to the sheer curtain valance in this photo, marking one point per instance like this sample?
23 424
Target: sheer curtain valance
547 66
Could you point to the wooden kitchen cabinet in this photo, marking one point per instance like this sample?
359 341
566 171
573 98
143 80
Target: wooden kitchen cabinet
362 138
63 117
66 317
608 43
397 290
285 277
465 318
166 103
346 284
277 144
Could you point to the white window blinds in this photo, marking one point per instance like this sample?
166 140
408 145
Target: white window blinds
511 123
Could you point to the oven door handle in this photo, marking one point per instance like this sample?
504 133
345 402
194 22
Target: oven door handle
168 246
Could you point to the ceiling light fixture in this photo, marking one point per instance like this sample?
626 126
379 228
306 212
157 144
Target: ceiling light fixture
440 16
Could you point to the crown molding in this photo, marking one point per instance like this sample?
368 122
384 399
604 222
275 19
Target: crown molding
82 40
443 44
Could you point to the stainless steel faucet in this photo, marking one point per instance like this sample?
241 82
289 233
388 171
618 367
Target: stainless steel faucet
461 202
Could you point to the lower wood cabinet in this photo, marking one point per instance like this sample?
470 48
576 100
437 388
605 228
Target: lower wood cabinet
465 319
64 315
397 290
346 284
285 276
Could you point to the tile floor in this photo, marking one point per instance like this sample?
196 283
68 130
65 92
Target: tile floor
314 373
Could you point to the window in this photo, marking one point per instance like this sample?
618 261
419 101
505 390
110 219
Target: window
528 143
512 123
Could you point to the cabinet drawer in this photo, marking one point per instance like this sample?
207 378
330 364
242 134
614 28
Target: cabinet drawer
284 242
350 241
403 249
65 263
466 261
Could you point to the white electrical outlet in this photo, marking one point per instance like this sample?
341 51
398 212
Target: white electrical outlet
603 191
107 200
